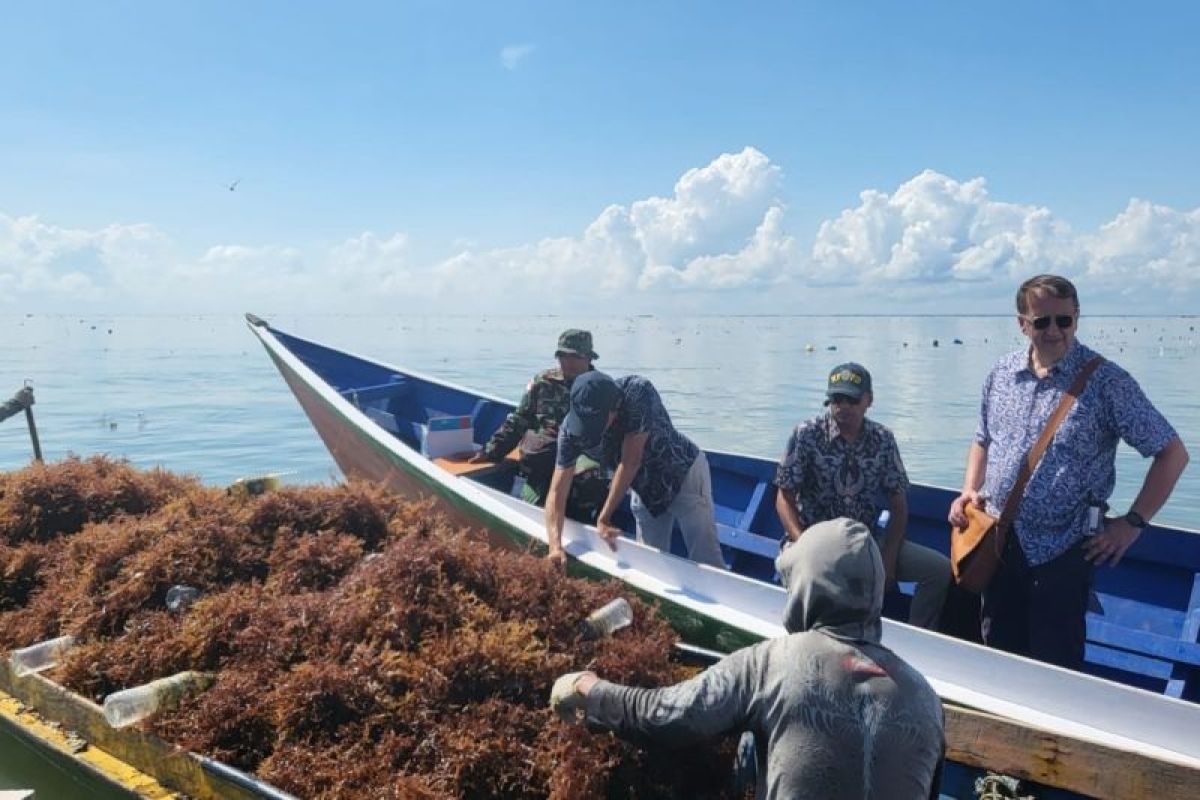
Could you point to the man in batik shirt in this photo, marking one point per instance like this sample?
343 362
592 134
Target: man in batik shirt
623 424
842 464
1036 603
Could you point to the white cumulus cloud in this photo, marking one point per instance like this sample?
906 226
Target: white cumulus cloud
934 228
1150 243
722 235
723 227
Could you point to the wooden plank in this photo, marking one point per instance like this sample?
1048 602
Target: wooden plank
150 754
369 394
460 463
1130 614
747 517
1148 644
1113 658
984 740
748 541
66 751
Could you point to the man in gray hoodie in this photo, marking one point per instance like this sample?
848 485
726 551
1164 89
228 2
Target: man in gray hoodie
834 713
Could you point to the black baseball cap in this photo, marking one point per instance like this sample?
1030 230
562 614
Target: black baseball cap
849 379
593 396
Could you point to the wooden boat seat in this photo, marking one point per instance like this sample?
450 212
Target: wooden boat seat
398 385
460 464
1160 644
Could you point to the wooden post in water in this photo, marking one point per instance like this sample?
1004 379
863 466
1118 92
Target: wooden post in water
37 447
23 399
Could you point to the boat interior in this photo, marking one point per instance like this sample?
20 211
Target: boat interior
1143 626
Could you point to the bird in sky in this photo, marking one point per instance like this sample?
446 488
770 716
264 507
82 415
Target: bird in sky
233 185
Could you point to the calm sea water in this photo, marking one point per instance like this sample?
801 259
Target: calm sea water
199 395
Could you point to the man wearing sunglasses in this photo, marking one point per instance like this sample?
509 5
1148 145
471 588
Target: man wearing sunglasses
842 464
1036 604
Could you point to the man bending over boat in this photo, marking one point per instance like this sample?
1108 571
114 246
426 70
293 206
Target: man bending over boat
534 427
834 714
622 423
842 464
1036 603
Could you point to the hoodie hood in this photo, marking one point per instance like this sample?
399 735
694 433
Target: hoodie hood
834 579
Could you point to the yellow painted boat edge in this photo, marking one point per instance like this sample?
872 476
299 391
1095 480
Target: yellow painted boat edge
64 745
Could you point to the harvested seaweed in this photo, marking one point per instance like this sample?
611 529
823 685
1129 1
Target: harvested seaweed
363 647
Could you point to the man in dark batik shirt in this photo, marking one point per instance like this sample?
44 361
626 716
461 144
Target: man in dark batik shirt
842 464
623 424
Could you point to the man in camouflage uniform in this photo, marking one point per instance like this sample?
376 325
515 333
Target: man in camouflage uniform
534 427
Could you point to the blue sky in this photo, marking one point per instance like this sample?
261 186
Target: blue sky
446 152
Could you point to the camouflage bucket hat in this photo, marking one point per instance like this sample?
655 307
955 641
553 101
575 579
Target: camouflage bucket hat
576 343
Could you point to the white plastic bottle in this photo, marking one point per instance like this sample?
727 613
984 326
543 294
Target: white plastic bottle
180 597
608 619
132 705
40 656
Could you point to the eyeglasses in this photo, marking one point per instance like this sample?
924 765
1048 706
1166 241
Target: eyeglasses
1063 321
842 399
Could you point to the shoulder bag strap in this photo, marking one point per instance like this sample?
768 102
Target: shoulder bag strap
1035 455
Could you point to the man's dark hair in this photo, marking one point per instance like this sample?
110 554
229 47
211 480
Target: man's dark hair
1055 285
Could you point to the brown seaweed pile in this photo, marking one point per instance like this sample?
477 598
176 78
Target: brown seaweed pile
363 647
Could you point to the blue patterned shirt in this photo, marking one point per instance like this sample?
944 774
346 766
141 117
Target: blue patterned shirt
668 454
1079 465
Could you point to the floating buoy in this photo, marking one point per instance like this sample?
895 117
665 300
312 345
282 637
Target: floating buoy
935 343
832 347
808 348
958 341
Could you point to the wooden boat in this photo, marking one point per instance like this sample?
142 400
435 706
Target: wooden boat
1130 728
70 734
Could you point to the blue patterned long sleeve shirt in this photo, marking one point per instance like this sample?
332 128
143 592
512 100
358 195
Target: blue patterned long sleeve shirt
668 454
1079 466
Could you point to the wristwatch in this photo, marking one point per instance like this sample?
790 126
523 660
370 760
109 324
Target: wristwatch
1135 520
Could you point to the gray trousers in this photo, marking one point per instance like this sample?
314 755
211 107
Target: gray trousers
930 570
693 507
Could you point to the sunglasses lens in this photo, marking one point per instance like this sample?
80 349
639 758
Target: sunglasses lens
1063 321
